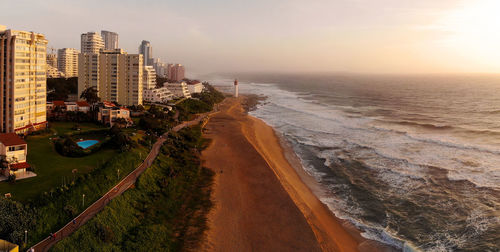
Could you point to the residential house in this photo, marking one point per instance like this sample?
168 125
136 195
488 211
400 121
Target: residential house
15 149
83 106
109 113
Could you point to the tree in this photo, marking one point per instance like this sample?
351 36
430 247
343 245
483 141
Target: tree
90 95
120 122
4 163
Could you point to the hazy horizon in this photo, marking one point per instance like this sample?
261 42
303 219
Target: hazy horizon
353 36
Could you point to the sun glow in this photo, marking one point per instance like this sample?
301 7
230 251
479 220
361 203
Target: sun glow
473 31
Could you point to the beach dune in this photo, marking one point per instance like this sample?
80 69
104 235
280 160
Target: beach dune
261 200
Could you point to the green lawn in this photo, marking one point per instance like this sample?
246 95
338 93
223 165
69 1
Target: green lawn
51 168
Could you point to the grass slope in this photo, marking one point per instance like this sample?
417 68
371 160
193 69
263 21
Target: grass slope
164 212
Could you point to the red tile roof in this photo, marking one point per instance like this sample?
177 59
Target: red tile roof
108 104
82 104
58 103
18 166
10 139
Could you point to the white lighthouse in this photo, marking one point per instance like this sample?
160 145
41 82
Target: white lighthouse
236 88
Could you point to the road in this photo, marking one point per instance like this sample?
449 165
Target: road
117 190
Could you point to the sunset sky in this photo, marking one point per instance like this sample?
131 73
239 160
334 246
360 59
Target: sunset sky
374 36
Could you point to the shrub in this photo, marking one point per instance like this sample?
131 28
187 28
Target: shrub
12 178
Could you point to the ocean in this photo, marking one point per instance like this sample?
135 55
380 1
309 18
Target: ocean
413 161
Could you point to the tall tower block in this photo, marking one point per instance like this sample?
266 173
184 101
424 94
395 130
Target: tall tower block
236 88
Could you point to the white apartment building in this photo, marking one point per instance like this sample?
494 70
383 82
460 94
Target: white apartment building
91 42
195 87
160 68
110 40
67 61
23 81
52 60
116 75
149 77
53 72
158 95
179 89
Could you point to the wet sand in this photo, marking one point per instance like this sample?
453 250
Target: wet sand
261 194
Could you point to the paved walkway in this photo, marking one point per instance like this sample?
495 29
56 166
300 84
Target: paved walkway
117 190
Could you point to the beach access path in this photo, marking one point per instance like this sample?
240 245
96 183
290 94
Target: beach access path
117 190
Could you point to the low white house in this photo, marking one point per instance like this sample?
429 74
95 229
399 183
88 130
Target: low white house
15 149
71 106
83 106
195 87
157 95
179 89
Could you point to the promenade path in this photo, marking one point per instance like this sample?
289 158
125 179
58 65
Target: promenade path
117 190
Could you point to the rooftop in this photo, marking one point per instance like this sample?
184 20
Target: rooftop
11 139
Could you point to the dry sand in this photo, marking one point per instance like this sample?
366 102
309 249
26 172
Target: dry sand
262 202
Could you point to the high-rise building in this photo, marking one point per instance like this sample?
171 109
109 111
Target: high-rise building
160 68
116 75
67 61
175 72
23 82
146 50
110 40
52 60
91 42
149 78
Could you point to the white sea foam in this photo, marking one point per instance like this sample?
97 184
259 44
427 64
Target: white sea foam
401 157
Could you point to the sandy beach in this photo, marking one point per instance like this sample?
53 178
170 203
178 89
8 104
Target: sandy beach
261 193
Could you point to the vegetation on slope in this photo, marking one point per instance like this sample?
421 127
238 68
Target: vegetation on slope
164 212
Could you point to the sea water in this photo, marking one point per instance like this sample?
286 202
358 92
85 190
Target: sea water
413 161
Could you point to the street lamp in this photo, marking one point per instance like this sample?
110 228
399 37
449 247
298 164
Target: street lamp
118 173
83 200
25 236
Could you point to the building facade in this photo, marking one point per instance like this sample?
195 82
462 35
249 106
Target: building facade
15 150
147 51
160 68
179 90
117 76
158 95
109 113
176 72
67 61
52 60
53 72
23 81
110 40
195 87
91 42
149 78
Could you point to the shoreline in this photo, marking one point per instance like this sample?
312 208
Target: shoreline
330 232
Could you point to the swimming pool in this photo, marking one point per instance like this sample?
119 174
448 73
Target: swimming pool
87 143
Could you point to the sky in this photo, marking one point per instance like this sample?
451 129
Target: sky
365 36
